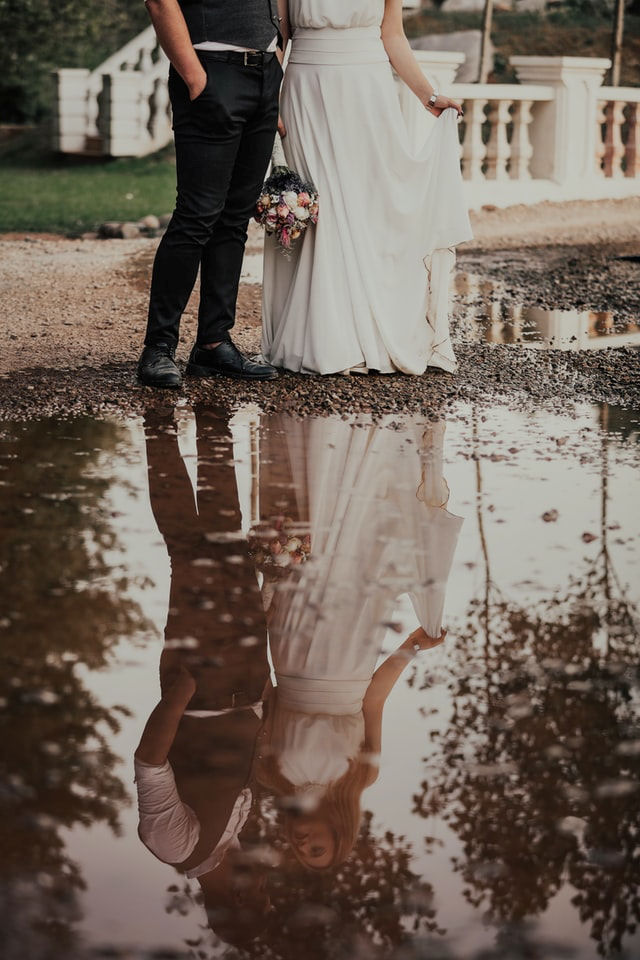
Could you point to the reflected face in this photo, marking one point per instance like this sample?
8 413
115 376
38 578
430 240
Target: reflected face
314 842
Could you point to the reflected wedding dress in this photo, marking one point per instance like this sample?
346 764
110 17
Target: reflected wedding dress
379 528
368 287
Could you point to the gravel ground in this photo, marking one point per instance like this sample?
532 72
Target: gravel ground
75 310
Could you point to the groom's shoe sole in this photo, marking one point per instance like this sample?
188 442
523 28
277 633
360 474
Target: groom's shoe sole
195 370
160 383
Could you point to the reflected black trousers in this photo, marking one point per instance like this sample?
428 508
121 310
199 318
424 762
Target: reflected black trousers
223 143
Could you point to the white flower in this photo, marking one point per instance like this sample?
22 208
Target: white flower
301 213
291 199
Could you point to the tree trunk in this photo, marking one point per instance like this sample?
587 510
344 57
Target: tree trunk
485 65
616 42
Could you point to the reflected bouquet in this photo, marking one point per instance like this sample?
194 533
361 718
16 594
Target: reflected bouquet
287 204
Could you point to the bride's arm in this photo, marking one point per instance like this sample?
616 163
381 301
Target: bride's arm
384 680
285 26
405 64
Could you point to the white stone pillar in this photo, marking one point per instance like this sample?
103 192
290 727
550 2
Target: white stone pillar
120 121
440 68
70 110
564 130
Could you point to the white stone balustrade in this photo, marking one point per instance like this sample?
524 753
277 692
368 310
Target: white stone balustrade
618 150
119 109
557 134
495 141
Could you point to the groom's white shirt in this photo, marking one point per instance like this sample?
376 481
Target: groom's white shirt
212 45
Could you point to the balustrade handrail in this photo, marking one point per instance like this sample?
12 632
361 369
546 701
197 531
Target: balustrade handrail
630 94
502 91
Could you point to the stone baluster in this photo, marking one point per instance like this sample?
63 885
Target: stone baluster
145 106
521 149
92 107
613 145
601 120
632 146
161 120
473 147
146 62
498 149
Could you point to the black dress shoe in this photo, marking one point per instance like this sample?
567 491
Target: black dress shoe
225 360
157 367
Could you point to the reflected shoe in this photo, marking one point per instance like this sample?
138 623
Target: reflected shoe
225 360
157 367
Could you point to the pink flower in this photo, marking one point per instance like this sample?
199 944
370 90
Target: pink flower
285 238
304 199
282 210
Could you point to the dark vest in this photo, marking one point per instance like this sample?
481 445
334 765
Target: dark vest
243 23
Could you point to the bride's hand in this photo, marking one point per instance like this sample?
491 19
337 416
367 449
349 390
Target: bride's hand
282 130
443 103
420 640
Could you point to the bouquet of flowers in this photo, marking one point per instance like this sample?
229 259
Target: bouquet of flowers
279 542
287 204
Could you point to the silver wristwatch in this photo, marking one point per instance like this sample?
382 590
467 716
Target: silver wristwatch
432 99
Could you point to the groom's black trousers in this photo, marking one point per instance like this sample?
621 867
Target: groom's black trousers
223 142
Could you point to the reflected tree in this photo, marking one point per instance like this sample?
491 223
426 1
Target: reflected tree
539 768
374 905
63 609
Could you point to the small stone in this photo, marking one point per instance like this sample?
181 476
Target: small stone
129 231
164 220
550 516
588 537
110 229
150 222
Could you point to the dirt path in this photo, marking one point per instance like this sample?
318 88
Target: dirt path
79 307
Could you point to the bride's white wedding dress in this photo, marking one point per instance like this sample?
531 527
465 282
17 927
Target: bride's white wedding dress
379 528
368 287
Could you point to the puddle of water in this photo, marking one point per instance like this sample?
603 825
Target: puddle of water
493 317
235 595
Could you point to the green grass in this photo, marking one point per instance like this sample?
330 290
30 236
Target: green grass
44 193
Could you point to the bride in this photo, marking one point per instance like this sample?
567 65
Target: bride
368 287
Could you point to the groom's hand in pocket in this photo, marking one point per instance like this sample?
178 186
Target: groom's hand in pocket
282 130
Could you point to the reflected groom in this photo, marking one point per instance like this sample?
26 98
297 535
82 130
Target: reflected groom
224 86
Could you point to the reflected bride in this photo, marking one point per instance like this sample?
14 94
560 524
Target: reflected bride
377 527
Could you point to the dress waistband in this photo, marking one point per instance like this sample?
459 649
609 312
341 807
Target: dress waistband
355 45
307 695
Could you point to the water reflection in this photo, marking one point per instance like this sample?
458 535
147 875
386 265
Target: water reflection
347 521
497 319
63 607
493 812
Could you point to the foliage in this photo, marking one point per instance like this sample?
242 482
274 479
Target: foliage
373 905
39 36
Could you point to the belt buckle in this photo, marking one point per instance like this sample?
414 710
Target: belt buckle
246 58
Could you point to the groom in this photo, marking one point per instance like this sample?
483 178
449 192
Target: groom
224 85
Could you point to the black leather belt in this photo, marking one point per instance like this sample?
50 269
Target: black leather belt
255 58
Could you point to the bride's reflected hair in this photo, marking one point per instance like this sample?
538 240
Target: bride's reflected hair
338 809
